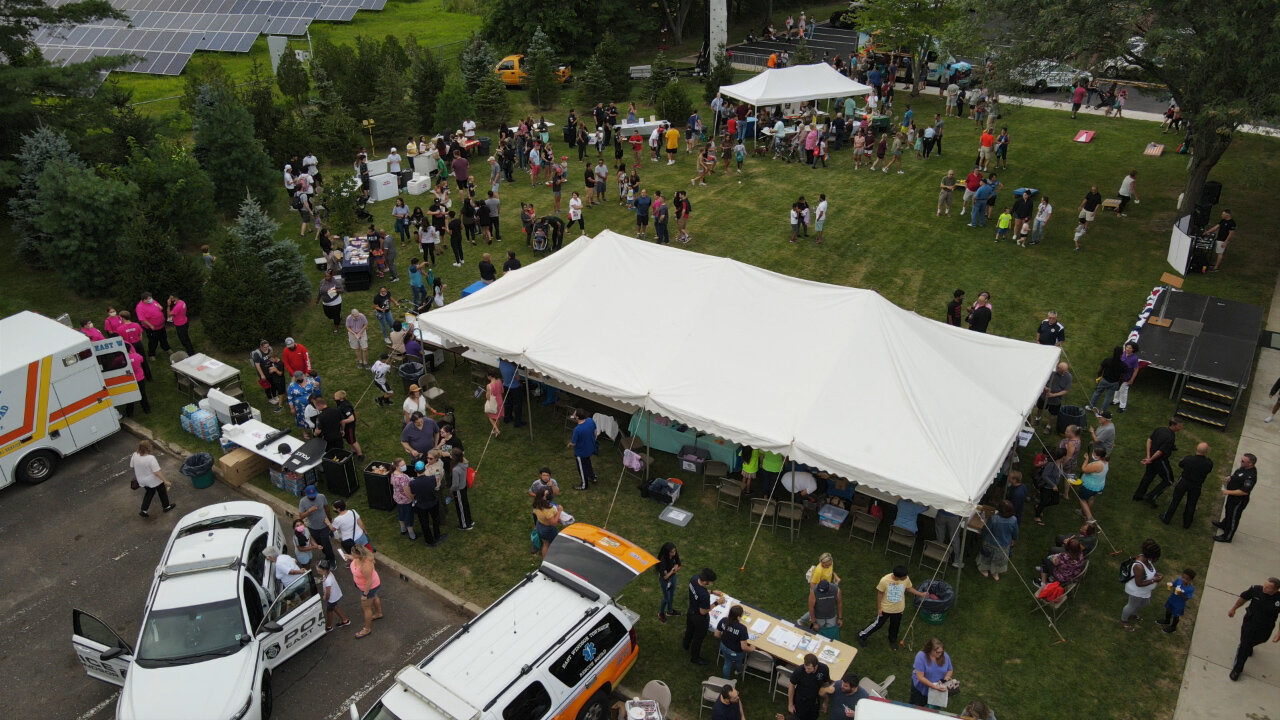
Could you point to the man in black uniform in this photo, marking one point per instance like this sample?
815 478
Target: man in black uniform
1195 468
696 620
424 490
808 684
1239 485
1160 447
1259 619
328 425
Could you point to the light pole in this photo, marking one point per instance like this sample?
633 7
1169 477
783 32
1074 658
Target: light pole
368 125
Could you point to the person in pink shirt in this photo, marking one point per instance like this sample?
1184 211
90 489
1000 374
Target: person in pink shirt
151 317
111 326
86 327
1077 98
177 311
140 374
130 330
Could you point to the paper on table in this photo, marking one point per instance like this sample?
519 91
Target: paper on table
759 626
829 654
784 638
938 698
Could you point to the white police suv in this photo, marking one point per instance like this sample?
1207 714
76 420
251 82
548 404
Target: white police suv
216 623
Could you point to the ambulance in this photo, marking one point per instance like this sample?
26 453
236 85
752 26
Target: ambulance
59 392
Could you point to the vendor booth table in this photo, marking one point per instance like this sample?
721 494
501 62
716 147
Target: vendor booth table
356 271
668 438
206 371
784 641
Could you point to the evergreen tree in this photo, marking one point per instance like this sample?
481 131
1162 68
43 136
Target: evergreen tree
394 54
292 79
492 105
721 74
79 214
803 54
151 261
427 80
477 60
673 102
540 60
240 300
40 147
662 75
280 258
175 194
228 151
391 108
333 131
453 105
258 94
123 125
593 84
612 58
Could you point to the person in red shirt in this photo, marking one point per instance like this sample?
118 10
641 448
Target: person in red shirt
93 333
130 330
140 374
295 357
637 143
151 316
972 182
1077 98
177 311
111 326
985 145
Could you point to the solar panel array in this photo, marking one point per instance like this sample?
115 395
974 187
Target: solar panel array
164 33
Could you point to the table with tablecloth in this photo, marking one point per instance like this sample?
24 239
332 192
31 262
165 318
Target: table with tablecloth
667 438
357 273
783 640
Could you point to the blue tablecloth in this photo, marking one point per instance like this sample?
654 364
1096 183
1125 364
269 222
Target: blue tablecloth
668 439
476 286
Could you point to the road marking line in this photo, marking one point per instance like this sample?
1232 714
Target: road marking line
98 708
358 695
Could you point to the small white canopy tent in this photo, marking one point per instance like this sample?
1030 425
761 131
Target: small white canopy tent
794 84
834 377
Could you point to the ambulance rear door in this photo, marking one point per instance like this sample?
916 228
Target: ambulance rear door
117 372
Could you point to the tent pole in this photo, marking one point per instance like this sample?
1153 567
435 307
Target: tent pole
772 489
648 440
964 535
528 403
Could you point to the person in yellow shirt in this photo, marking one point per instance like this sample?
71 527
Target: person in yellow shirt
411 148
750 466
891 602
824 570
673 144
1003 224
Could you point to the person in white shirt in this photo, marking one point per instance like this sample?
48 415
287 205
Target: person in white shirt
469 128
312 164
381 368
288 179
348 526
1044 211
653 143
820 217
285 566
393 167
146 471
332 595
575 212
1128 191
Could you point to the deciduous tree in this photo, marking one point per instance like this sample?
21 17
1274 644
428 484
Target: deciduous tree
913 25
574 27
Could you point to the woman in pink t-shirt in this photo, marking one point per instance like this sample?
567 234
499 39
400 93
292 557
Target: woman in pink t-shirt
365 574
177 312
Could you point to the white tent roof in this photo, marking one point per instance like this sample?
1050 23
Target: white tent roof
834 377
794 84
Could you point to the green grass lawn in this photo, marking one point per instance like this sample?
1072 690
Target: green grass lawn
882 234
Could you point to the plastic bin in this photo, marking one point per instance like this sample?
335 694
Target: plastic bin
199 468
934 612
377 486
339 470
1070 415
692 459
410 371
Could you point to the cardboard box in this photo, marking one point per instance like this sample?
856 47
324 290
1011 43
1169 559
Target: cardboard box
240 466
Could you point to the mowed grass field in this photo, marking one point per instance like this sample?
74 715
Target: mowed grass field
882 234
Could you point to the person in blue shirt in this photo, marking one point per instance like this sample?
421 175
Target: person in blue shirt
845 697
999 536
983 194
907 117
513 390
908 514
1180 591
583 443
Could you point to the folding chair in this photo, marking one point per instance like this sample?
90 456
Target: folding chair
902 539
233 388
864 522
782 679
711 691
1057 607
935 551
185 385
790 513
766 510
758 664
877 689
657 690
714 470
177 357
730 493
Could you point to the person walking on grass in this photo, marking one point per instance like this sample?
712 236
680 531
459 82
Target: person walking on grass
945 190
1128 191
897 154
891 602
820 218
1195 470
1181 590
1141 583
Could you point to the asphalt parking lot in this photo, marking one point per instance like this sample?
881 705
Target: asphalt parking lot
77 541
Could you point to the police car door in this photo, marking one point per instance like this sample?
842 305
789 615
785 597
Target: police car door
100 650
294 621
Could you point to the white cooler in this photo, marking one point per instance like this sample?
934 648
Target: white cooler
377 167
423 164
383 187
419 185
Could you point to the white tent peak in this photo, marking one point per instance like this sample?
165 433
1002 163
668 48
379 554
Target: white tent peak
836 377
794 84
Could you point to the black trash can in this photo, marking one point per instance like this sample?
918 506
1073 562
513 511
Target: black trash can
377 486
410 371
484 147
1070 415
935 611
199 468
339 470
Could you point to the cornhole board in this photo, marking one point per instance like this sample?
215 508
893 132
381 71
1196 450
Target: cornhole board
1112 204
1154 150
1084 136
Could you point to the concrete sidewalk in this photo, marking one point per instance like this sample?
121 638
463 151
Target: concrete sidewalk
1250 559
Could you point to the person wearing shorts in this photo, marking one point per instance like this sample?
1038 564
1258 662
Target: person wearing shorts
820 218
673 144
1089 207
332 596
945 190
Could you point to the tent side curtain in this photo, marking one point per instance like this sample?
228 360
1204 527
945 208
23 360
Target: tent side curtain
857 386
794 84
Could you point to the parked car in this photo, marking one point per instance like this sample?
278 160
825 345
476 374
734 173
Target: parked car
215 624
1045 75
1121 66
553 648
513 71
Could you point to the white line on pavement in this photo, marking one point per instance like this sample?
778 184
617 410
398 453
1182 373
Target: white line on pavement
368 687
98 708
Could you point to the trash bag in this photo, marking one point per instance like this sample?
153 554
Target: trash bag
197 465
946 596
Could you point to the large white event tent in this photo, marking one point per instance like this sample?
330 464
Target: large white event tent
834 377
794 84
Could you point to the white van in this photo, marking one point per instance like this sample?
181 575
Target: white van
555 646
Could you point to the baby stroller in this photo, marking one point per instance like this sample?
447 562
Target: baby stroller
540 237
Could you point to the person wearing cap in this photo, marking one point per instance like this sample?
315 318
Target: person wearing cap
289 184
826 610
300 392
1104 436
416 403
285 567
295 357
313 508
891 602
423 489
393 166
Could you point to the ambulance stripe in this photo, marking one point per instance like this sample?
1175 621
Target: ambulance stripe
29 413
73 419
77 405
